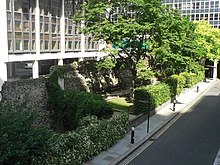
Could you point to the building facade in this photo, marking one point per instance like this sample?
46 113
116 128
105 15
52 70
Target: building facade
36 34
198 9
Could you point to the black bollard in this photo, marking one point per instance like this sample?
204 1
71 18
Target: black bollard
148 117
197 89
174 104
132 135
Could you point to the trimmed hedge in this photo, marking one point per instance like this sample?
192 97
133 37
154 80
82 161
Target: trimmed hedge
92 137
193 78
176 83
160 93
153 94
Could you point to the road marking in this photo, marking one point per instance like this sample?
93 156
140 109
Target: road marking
136 153
217 158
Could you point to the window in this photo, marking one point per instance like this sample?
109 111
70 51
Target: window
8 5
211 17
68 9
206 16
216 4
55 8
10 42
18 41
192 17
45 7
212 4
216 16
197 5
194 5
18 5
201 16
25 6
202 5
206 5
197 17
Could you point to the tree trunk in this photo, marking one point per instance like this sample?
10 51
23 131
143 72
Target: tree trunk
133 72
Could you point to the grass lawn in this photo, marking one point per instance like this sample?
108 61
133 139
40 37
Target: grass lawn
119 103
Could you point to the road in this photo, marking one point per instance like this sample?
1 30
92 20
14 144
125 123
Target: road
194 139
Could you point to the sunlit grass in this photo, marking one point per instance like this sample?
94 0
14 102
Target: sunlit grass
119 103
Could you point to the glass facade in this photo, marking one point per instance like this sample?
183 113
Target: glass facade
198 9
22 30
122 8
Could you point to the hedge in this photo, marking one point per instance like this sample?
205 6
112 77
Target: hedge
24 142
92 137
153 95
73 106
176 83
68 107
193 78
21 140
160 93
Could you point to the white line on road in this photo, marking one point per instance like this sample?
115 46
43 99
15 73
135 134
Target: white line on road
217 159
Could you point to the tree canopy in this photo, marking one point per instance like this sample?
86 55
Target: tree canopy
174 47
147 29
209 39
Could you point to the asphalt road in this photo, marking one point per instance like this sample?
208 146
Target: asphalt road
194 139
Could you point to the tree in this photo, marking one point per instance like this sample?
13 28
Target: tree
209 39
174 48
126 24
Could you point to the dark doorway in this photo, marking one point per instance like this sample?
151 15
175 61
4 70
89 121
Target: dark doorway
209 68
218 70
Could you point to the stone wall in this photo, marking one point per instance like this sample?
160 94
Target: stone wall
75 81
32 93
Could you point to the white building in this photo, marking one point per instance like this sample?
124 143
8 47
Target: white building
36 34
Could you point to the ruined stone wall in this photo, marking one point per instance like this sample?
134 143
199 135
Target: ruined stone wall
75 81
32 93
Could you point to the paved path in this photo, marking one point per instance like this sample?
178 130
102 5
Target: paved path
123 148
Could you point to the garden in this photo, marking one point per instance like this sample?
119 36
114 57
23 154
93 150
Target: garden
153 57
83 124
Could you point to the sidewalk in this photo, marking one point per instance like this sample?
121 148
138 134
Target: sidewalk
123 148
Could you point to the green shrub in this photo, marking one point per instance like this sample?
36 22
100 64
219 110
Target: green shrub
152 95
76 105
193 78
176 83
92 137
21 140
200 75
68 107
